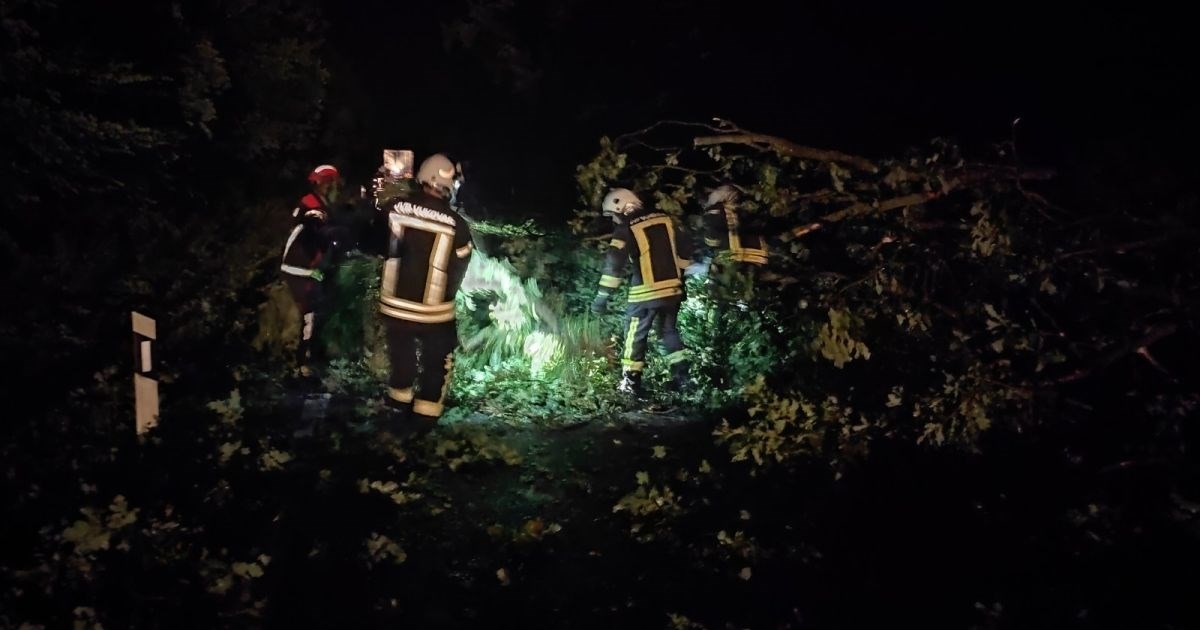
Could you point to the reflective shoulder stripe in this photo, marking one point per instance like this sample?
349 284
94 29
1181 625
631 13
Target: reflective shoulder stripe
611 282
421 224
617 243
463 251
711 242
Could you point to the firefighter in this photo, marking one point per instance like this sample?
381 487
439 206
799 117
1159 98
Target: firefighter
649 239
307 256
429 248
739 250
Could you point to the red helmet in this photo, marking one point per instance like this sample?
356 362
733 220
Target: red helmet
324 174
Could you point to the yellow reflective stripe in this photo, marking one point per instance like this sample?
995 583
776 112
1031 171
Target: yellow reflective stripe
674 248
296 271
711 242
402 303
758 259
655 295
677 357
391 267
420 318
435 276
669 283
406 220
633 324
462 252
401 395
731 222
617 243
428 408
632 366
610 282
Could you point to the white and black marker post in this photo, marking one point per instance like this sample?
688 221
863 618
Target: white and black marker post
145 378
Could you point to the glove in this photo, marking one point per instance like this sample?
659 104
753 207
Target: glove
600 304
317 275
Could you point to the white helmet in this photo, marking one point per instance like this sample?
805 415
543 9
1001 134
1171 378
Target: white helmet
721 195
437 171
621 201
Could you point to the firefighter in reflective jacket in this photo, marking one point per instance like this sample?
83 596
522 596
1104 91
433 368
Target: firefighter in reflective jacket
307 255
429 248
739 248
648 239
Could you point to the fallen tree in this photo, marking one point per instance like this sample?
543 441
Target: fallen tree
928 298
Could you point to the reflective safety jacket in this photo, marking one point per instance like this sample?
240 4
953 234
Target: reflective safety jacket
651 241
733 239
309 242
429 248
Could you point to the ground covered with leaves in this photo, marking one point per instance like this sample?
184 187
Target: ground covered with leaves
638 521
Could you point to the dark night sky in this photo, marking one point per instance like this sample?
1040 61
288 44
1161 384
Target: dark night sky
862 78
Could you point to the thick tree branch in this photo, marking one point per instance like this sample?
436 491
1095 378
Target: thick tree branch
787 147
973 174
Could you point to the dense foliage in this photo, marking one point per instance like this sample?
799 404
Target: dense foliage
928 298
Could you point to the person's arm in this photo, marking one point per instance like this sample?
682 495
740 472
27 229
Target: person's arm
460 258
684 249
614 267
716 229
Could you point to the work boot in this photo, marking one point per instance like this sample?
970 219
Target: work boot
631 384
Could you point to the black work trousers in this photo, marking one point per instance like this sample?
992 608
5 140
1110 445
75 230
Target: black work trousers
422 357
641 318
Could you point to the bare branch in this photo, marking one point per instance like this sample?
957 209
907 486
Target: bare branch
1156 333
620 140
786 147
1121 248
862 208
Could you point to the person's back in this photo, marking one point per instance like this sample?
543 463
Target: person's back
648 239
426 260
306 255
734 238
429 249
